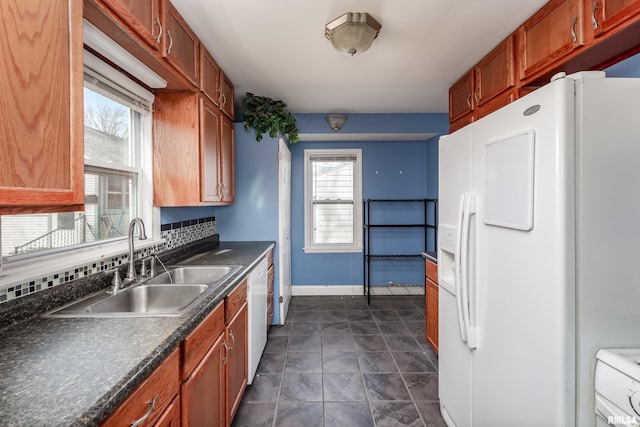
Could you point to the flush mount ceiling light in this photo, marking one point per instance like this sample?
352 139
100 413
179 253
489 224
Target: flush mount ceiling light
352 32
336 121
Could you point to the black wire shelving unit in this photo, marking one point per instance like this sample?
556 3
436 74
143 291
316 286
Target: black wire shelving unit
428 226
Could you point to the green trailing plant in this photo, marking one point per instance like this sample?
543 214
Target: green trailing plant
265 115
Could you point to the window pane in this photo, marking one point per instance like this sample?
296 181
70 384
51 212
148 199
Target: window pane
333 223
107 129
332 180
111 134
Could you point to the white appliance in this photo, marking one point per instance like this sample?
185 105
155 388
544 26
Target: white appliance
539 254
257 308
617 387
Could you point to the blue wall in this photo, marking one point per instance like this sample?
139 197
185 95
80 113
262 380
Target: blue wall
391 169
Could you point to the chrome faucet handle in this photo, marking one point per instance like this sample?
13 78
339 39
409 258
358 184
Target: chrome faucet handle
116 282
152 265
143 268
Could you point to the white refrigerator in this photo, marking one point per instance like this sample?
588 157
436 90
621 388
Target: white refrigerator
538 253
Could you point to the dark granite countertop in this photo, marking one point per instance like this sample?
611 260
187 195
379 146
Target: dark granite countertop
431 256
76 371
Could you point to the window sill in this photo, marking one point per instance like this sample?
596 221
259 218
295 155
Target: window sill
332 249
19 271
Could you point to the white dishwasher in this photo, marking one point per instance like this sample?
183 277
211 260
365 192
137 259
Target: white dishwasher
257 307
617 387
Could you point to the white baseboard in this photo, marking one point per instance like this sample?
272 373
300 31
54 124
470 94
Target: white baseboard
323 290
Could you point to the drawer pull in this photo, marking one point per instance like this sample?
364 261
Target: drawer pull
233 340
574 36
142 419
593 15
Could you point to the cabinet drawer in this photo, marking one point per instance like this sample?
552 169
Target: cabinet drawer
431 270
196 345
160 387
234 301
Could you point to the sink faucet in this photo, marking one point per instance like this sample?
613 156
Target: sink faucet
131 274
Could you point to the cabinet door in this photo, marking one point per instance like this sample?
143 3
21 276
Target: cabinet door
41 125
209 76
171 416
237 374
140 17
546 38
461 97
495 73
203 392
181 46
607 15
432 314
210 152
270 303
226 95
176 158
227 167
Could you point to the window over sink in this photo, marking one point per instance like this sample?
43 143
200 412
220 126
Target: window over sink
117 137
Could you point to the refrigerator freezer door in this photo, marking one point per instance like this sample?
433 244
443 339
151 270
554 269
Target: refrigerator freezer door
454 380
524 285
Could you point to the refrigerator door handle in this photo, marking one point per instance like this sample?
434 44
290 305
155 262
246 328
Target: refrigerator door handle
470 210
458 266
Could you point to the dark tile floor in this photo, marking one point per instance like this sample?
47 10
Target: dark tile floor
340 362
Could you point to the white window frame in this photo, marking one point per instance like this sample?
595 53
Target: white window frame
309 245
24 267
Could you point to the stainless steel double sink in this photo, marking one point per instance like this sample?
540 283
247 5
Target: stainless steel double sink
170 293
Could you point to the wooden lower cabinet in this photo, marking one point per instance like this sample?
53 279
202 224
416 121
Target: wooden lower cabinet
431 278
171 416
203 392
236 366
153 401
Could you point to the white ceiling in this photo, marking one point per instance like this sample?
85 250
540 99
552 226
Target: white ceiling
277 48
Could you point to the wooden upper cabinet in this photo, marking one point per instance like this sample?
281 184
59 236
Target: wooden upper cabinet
176 151
41 98
461 97
210 122
495 73
141 17
226 95
181 46
209 76
608 15
227 161
546 38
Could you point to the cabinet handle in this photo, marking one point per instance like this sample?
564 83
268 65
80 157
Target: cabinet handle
574 37
159 36
593 15
233 340
226 351
224 100
475 96
142 419
469 99
170 41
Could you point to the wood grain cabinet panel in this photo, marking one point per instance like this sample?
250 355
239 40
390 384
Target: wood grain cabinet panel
549 36
495 73
226 91
150 400
431 300
171 416
237 368
203 392
227 161
461 97
140 17
210 151
176 150
209 76
608 15
181 47
41 93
